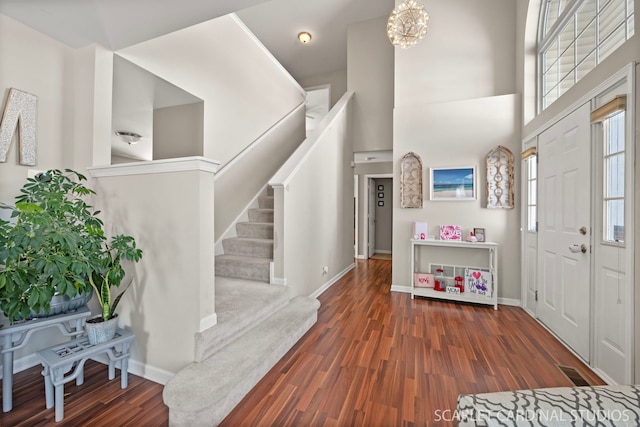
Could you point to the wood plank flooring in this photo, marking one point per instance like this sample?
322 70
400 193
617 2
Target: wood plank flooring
98 402
374 358
377 358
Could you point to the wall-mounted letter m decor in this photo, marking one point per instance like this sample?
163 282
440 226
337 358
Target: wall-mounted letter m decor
19 113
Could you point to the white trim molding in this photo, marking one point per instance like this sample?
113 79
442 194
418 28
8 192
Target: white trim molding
182 164
207 322
333 280
280 281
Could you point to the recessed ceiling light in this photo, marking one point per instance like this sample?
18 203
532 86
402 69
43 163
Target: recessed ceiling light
304 37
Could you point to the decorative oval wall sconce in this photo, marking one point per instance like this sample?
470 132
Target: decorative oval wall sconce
411 181
500 193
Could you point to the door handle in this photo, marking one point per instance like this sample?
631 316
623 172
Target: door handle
578 248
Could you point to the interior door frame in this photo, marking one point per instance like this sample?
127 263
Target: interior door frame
367 180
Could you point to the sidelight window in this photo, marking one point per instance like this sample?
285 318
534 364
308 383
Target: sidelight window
614 185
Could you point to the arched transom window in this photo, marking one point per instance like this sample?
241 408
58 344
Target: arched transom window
575 36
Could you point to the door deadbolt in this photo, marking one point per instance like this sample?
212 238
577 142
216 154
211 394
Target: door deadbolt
583 230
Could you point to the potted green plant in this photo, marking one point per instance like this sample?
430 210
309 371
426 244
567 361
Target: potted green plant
53 243
110 273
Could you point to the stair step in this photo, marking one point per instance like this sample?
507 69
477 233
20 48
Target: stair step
243 267
257 230
205 393
265 202
261 215
240 306
248 246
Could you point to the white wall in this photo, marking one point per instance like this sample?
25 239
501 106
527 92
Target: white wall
177 131
24 54
433 131
313 200
469 52
238 183
370 77
454 102
337 80
217 61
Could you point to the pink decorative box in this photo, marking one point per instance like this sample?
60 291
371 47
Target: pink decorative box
450 232
423 280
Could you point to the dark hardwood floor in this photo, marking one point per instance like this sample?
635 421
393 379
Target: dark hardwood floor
374 358
377 358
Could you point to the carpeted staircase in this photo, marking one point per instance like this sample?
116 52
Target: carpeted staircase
248 256
257 324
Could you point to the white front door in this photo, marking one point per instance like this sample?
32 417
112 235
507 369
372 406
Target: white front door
372 217
564 229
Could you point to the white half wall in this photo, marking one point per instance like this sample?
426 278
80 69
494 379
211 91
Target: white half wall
171 216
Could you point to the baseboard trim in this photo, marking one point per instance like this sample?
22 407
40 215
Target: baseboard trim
149 372
140 369
514 302
281 281
361 257
209 321
333 280
24 363
399 288
383 251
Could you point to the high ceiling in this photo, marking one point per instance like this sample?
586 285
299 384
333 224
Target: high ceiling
116 24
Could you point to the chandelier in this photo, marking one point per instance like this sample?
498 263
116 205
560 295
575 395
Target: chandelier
407 24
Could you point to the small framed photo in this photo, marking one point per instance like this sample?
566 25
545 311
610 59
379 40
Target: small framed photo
456 184
380 195
380 202
380 187
479 233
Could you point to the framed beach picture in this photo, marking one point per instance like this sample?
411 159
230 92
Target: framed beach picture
453 183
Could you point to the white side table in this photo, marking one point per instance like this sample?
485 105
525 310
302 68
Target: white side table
16 336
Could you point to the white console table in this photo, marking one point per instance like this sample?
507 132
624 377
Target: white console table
16 336
492 264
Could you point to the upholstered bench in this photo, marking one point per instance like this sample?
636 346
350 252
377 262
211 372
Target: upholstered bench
60 359
611 405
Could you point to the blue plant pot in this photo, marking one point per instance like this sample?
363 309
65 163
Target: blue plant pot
63 304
